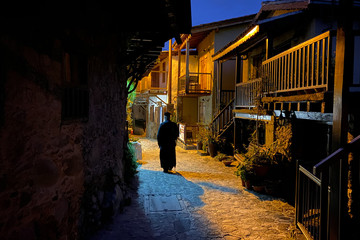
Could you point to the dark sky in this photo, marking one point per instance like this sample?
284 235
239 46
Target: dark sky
206 11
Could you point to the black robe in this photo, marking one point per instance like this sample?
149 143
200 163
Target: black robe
167 136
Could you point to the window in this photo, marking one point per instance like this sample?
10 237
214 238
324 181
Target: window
75 94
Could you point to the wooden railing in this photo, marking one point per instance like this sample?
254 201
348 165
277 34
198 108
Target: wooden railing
247 92
223 119
195 83
303 67
313 193
226 96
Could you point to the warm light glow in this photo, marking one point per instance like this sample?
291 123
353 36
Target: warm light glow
250 34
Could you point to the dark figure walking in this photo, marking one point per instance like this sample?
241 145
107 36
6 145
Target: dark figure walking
167 136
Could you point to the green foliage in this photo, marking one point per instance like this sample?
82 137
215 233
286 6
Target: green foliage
245 172
131 163
204 136
173 117
224 146
260 155
220 156
130 100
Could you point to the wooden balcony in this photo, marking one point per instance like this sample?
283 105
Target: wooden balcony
195 84
302 68
300 71
155 83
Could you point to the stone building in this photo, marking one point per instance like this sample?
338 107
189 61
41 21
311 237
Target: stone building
297 62
188 86
63 94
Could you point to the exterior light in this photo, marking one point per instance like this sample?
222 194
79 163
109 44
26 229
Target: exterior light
247 36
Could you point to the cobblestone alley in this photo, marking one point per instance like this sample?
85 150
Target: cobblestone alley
201 199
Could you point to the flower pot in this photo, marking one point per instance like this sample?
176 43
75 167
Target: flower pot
227 162
261 171
259 189
200 146
248 184
243 182
270 190
212 149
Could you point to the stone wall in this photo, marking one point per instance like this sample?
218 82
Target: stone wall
103 147
57 177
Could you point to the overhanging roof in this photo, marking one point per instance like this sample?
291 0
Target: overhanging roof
89 26
242 38
260 20
199 32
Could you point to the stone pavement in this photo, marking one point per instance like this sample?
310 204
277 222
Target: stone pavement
201 199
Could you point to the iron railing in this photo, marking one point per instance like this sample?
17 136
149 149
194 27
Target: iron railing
309 208
314 194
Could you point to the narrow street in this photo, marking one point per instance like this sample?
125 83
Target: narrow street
201 199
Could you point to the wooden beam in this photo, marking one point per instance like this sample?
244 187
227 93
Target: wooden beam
169 80
296 98
187 70
342 79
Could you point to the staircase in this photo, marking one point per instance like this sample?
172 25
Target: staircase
141 99
321 196
224 120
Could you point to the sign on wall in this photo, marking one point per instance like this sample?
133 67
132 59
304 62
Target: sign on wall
182 132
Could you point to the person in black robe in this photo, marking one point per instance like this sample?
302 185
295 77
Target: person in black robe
166 137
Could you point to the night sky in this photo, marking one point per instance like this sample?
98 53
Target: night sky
206 11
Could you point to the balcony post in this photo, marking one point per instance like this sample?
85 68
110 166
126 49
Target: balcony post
169 72
269 48
187 73
219 83
342 79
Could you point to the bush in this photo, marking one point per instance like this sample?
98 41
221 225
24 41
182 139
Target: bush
131 163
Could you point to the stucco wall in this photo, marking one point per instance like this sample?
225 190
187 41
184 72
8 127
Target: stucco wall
205 51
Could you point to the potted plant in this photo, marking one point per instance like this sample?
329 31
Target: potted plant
199 145
261 163
246 174
221 156
228 160
201 135
212 146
